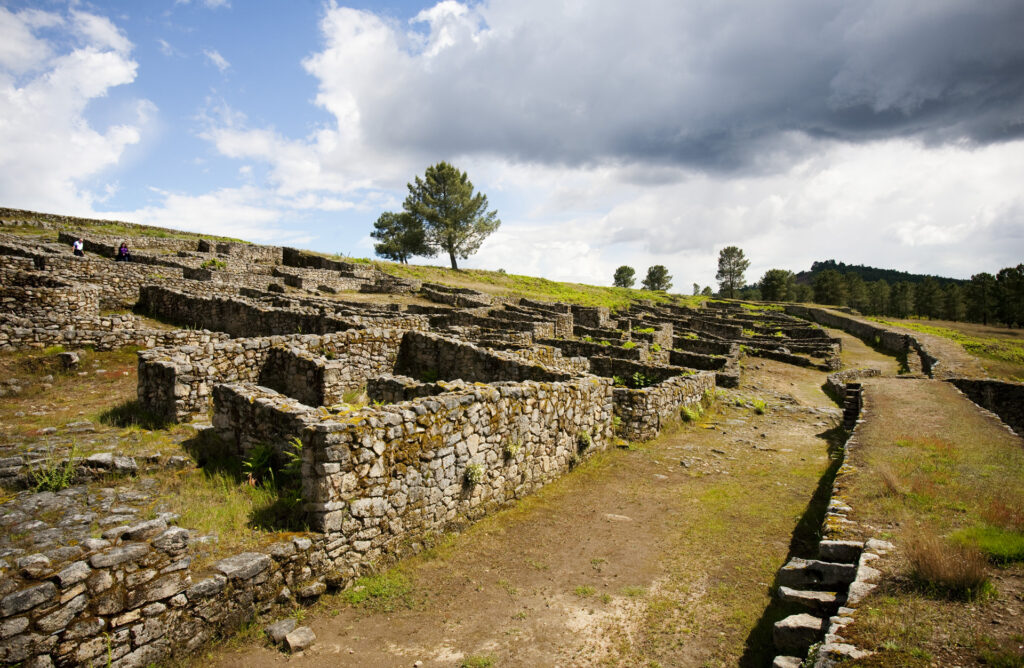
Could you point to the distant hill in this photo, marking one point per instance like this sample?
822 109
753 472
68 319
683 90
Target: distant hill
870 274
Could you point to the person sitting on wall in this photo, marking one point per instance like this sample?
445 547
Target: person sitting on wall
122 253
78 247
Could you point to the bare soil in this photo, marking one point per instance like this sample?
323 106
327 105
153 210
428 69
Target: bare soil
662 555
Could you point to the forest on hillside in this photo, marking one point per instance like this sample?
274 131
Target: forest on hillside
985 298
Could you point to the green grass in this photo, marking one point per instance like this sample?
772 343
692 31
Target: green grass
998 544
383 592
584 591
1003 350
540 289
114 229
478 661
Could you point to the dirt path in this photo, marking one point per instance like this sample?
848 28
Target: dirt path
662 555
857 354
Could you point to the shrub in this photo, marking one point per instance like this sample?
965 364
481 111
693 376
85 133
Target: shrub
214 264
945 568
583 439
760 407
474 474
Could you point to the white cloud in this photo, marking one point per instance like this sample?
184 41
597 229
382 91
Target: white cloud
50 149
209 4
20 50
245 213
100 33
217 60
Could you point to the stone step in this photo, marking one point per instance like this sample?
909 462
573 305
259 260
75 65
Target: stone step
842 551
796 633
814 574
823 603
787 662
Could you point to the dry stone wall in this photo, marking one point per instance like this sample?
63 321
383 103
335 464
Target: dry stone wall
389 475
433 357
895 343
1003 398
176 383
319 376
644 412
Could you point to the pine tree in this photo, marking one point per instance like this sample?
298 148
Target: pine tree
455 219
731 265
401 236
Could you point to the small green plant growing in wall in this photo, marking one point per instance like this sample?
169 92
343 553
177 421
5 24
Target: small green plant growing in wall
655 348
583 439
213 264
605 342
512 449
639 380
691 413
474 474
629 345
760 407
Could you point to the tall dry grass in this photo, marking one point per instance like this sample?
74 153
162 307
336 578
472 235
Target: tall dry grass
946 568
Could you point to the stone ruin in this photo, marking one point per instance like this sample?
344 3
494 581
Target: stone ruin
474 400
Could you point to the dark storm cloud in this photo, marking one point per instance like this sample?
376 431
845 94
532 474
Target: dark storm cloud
711 85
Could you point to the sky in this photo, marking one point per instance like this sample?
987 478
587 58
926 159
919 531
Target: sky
880 132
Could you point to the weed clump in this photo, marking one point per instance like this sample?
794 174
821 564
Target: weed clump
55 473
947 569
474 474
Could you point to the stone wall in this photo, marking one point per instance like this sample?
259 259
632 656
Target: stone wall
44 299
398 472
432 357
459 297
317 279
241 317
586 349
311 377
644 412
246 252
175 383
895 343
293 257
598 317
705 347
1005 399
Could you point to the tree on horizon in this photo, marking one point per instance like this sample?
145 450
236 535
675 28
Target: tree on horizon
657 278
731 266
625 277
401 236
454 218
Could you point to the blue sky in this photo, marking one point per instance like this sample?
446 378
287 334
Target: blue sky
876 132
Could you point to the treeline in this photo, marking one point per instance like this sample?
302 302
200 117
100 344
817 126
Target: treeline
985 298
869 274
